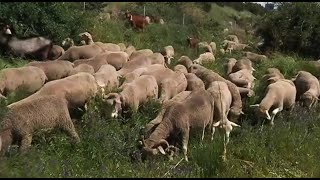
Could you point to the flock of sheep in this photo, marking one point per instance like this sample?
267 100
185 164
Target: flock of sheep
192 96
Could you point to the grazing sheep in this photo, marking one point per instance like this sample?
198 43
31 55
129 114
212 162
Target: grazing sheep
55 52
116 59
194 83
243 64
242 78
77 89
107 77
204 47
308 88
133 94
196 111
180 68
30 78
192 42
213 46
168 53
54 70
204 58
83 68
122 46
150 68
138 62
96 63
157 58
86 37
208 76
108 46
145 52
171 86
255 57
67 43
233 38
24 118
130 49
222 102
230 64
272 75
177 98
222 51
81 52
186 61
279 95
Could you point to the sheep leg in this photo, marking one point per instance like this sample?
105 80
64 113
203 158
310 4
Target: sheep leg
185 140
224 157
25 143
212 133
204 127
274 112
71 131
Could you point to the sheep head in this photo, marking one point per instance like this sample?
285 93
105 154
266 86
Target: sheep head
153 148
115 100
261 111
308 99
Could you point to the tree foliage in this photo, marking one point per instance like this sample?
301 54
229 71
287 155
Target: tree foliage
293 27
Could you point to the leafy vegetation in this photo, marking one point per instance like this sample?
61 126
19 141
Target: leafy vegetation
108 146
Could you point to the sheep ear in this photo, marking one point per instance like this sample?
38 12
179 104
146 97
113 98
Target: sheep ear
161 150
255 105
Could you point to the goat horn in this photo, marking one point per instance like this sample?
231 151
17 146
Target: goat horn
163 141
255 105
161 150
269 117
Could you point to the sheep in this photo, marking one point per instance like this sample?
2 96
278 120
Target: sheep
116 59
196 111
243 63
204 47
55 52
222 102
54 70
229 65
180 68
129 50
279 95
171 86
228 45
145 52
87 37
308 88
30 78
96 63
194 83
168 53
122 46
177 98
141 61
107 77
204 58
157 58
213 46
77 89
83 68
67 43
133 94
255 57
222 51
81 52
24 118
156 70
242 78
186 61
233 38
272 75
208 76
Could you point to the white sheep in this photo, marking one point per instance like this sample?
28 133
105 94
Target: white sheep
23 118
279 95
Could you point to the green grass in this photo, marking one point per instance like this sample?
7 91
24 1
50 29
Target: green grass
107 147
